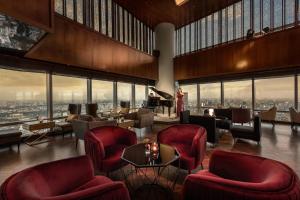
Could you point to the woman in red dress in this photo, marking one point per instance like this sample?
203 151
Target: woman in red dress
180 106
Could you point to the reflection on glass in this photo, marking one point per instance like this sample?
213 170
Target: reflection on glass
210 94
70 9
68 90
140 95
79 7
275 91
238 94
190 97
124 92
103 94
59 6
23 96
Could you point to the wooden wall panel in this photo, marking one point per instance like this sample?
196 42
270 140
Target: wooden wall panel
274 51
38 13
75 45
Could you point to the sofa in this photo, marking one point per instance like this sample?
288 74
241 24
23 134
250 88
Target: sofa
268 115
10 137
237 176
190 142
68 179
142 118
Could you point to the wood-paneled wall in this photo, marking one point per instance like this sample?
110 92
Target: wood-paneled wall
38 13
74 44
274 51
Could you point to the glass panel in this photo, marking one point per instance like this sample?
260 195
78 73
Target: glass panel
209 30
109 19
238 94
59 6
203 33
23 96
278 10
187 39
182 40
210 94
193 43
126 26
298 11
140 95
199 35
103 17
289 12
247 16
266 13
238 20
130 30
275 91
230 23
190 97
142 36
70 9
138 34
124 92
79 11
68 90
256 16
216 28
96 15
224 26
103 94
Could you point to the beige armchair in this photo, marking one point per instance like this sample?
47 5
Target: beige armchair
295 117
142 118
269 115
80 127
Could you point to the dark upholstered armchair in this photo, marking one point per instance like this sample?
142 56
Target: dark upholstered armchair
105 146
236 176
248 132
189 140
68 179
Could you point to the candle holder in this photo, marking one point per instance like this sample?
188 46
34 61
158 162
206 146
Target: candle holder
154 150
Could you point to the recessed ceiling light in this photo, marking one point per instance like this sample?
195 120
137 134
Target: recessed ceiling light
180 2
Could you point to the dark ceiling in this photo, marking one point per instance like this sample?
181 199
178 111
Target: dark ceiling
153 12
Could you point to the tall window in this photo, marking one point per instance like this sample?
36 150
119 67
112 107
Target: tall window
216 28
79 11
140 95
278 10
238 20
68 90
203 33
23 96
266 13
109 18
124 92
289 12
224 25
210 94
182 40
59 7
209 31
193 42
275 91
238 94
190 97
103 16
230 23
96 15
247 16
70 9
187 38
126 27
256 13
103 94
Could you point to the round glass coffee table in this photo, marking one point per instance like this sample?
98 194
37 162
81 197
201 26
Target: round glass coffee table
144 161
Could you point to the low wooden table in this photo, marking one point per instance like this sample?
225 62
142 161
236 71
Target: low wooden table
37 132
127 123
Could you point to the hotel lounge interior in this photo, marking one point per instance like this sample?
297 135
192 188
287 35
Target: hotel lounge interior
149 99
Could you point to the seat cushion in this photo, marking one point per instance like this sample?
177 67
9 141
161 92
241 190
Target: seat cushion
98 180
112 159
187 161
242 129
10 133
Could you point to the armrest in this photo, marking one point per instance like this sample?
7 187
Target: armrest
198 148
94 148
115 190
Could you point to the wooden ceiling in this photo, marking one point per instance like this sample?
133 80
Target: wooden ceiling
153 12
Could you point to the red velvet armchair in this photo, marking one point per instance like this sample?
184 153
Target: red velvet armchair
235 176
190 142
105 146
69 179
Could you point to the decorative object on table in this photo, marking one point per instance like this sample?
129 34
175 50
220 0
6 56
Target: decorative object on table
241 176
154 149
37 132
269 115
189 140
105 146
67 179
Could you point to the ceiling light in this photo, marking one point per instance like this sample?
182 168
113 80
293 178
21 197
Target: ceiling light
180 2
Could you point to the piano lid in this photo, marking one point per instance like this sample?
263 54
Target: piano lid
162 94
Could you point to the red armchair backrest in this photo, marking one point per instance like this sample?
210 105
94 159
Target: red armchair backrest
50 179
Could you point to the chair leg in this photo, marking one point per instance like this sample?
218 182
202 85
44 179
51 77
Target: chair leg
19 147
77 142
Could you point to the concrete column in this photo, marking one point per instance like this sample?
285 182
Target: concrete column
164 33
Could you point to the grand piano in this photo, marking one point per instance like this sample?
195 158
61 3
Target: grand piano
167 101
